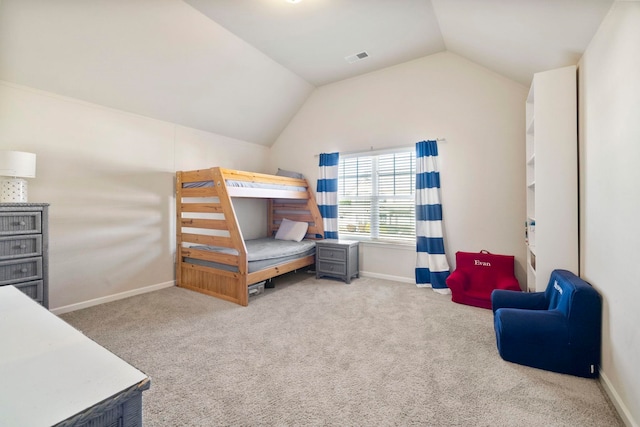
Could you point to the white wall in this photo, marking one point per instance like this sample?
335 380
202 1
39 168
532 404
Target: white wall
197 149
109 177
609 106
158 58
481 114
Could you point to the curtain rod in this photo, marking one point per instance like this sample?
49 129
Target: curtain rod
371 149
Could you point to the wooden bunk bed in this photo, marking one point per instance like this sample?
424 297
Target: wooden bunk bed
211 255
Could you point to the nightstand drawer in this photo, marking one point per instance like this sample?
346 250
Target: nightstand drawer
20 270
331 267
329 253
20 246
20 223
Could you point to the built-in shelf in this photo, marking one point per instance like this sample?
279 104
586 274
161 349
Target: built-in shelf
551 176
530 126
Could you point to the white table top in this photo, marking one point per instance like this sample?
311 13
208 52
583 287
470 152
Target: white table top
49 371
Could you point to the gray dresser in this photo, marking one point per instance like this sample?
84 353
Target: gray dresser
24 247
337 258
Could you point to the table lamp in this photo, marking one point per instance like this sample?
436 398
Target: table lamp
14 166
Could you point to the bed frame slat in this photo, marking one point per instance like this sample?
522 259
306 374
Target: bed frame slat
200 192
211 224
231 260
201 207
202 239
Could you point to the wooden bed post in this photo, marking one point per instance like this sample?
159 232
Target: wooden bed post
178 254
234 233
318 230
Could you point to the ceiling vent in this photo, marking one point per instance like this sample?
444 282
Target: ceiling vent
356 57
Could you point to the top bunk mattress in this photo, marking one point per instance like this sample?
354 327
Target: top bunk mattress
244 184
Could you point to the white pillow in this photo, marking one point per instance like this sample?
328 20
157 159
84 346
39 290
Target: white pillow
292 230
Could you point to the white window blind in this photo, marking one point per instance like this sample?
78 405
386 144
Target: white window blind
376 196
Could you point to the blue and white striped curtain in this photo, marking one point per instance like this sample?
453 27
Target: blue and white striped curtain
432 268
327 193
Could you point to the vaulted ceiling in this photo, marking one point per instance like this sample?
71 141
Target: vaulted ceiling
242 68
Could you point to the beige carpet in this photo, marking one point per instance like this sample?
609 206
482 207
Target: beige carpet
320 352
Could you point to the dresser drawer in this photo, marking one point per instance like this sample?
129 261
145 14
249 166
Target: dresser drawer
332 253
329 267
33 289
20 270
20 246
20 223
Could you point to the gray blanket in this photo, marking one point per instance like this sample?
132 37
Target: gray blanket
266 248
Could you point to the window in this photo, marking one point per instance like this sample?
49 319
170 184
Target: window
376 196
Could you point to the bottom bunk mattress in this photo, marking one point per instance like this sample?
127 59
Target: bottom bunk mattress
261 253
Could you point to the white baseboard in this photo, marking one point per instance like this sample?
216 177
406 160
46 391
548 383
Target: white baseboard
388 277
110 298
622 409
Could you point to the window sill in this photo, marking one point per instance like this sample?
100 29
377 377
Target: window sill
402 245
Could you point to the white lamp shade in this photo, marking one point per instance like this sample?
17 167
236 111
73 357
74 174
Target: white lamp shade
18 164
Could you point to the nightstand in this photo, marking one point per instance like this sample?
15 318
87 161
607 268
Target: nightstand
337 258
